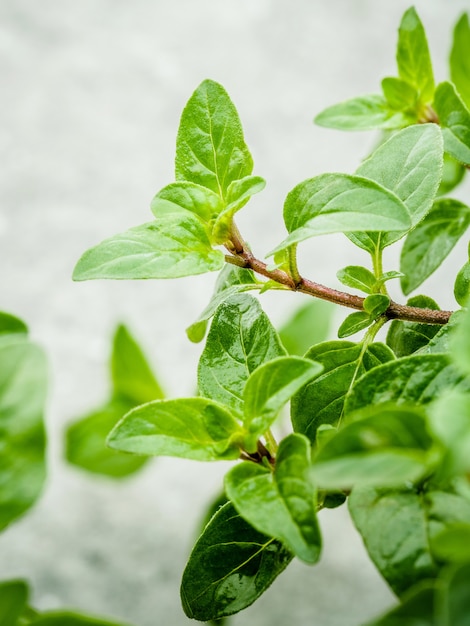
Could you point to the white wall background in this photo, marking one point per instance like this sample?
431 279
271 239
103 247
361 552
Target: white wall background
90 102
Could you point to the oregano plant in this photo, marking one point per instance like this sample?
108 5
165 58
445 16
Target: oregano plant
381 426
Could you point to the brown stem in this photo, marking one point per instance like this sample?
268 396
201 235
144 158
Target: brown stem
244 258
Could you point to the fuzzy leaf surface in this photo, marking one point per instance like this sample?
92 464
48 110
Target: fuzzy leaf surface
230 566
186 196
191 428
400 95
454 118
241 339
23 386
322 400
405 338
362 113
210 147
460 58
281 504
427 246
172 246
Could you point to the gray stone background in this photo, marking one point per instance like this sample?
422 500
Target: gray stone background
90 102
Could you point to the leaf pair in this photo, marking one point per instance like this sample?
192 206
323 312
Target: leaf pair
213 171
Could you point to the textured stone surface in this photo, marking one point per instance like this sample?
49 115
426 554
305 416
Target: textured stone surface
91 97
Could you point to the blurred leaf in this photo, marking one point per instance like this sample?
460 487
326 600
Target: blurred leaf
363 113
10 324
460 58
454 119
307 326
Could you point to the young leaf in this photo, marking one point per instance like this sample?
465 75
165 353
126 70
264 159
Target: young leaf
454 118
376 304
10 324
23 383
413 59
410 165
172 246
427 246
385 446
185 196
415 379
230 566
13 599
132 378
210 148
231 280
281 504
241 339
191 428
460 58
405 338
322 400
363 113
357 277
271 386
462 285
332 203
308 325
354 323
400 95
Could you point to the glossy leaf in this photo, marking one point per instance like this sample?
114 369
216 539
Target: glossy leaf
416 609
405 338
281 504
400 95
10 324
354 323
440 343
415 379
384 446
398 529
271 386
322 400
307 326
362 113
460 58
413 59
454 118
376 304
230 566
462 285
410 165
357 277
186 196
210 147
191 428
172 246
340 203
23 384
231 280
13 599
241 339
427 246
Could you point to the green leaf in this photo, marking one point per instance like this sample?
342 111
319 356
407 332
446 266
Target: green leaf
440 343
308 325
415 379
398 529
409 164
322 400
400 95
230 566
357 277
455 607
452 175
67 618
376 304
354 323
132 377
10 324
186 196
13 599
462 285
172 246
405 338
385 446
460 58
23 383
86 443
454 119
413 59
271 386
191 428
427 246
340 203
416 609
453 544
210 148
241 339
460 343
231 280
363 113
281 504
